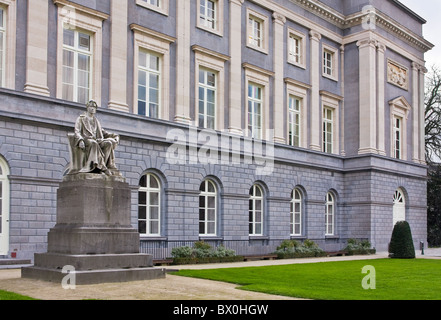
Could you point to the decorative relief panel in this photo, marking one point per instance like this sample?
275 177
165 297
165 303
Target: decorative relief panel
397 75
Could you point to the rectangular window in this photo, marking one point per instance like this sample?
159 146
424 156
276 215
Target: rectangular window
255 32
329 215
328 63
149 79
2 47
294 121
208 14
77 65
207 99
295 49
328 130
255 111
397 137
155 3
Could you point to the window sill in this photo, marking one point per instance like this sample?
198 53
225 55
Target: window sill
152 238
258 237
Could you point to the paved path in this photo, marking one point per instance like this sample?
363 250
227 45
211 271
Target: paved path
170 288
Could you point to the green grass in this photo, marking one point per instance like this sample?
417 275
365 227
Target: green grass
6 295
396 279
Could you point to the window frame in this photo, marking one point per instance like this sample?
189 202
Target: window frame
219 17
264 31
332 102
206 87
159 44
325 133
148 190
77 51
162 8
206 194
4 206
399 109
294 213
87 20
150 72
9 43
252 212
299 90
333 52
300 37
330 225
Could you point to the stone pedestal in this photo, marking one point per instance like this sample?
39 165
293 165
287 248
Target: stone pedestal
93 234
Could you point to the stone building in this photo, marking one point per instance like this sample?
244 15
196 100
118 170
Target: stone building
241 122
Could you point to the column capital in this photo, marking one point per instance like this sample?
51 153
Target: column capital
315 35
381 47
368 42
237 2
279 18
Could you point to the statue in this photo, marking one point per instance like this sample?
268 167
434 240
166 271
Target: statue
92 148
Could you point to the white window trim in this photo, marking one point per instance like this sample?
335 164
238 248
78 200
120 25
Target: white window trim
260 77
300 90
87 20
149 72
334 67
159 44
215 62
293 212
147 190
253 222
209 194
332 224
301 37
9 7
264 30
399 108
331 101
162 9
219 12
399 207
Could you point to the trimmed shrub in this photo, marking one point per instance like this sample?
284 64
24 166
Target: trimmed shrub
290 249
203 253
357 247
401 243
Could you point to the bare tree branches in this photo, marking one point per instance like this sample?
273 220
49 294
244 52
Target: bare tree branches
433 115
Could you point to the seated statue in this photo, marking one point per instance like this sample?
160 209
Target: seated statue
92 148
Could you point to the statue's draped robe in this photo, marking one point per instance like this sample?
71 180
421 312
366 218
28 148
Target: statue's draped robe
100 144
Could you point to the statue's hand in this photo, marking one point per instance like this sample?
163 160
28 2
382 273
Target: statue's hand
82 145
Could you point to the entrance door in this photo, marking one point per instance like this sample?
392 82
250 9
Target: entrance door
4 209
399 207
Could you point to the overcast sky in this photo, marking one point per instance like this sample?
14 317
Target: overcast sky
430 10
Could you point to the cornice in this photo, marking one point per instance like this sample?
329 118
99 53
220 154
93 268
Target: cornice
381 20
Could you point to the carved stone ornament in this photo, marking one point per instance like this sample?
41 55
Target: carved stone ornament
397 75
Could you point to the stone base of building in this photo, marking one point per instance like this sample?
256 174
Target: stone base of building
93 238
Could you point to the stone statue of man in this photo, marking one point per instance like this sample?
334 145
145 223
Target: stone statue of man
96 144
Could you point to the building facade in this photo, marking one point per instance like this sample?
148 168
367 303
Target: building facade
242 122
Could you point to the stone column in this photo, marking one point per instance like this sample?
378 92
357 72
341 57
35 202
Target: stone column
235 103
368 96
37 43
314 127
415 113
342 103
118 57
183 19
422 116
381 81
278 102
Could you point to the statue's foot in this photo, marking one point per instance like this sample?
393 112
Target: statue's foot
107 172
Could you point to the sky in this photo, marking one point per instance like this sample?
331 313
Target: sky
430 10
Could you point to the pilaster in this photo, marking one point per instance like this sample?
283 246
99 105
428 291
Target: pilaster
381 85
315 91
279 111
36 51
368 96
235 103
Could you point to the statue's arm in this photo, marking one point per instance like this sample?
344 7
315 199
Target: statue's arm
78 129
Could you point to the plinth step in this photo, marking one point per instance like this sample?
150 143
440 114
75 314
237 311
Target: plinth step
93 276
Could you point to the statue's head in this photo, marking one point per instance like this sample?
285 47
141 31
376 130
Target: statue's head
92 103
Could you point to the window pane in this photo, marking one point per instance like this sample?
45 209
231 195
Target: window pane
154 213
143 181
69 37
211 228
142 227
154 227
154 198
142 212
142 108
84 41
211 202
142 198
153 182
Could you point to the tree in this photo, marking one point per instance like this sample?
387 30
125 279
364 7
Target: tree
433 116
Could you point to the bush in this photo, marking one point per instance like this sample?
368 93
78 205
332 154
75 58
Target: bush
289 249
357 247
401 243
203 253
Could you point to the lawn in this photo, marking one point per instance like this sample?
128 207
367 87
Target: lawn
395 279
6 295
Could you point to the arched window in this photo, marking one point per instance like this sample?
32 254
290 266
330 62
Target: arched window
399 211
149 205
330 215
256 211
296 213
207 208
4 208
